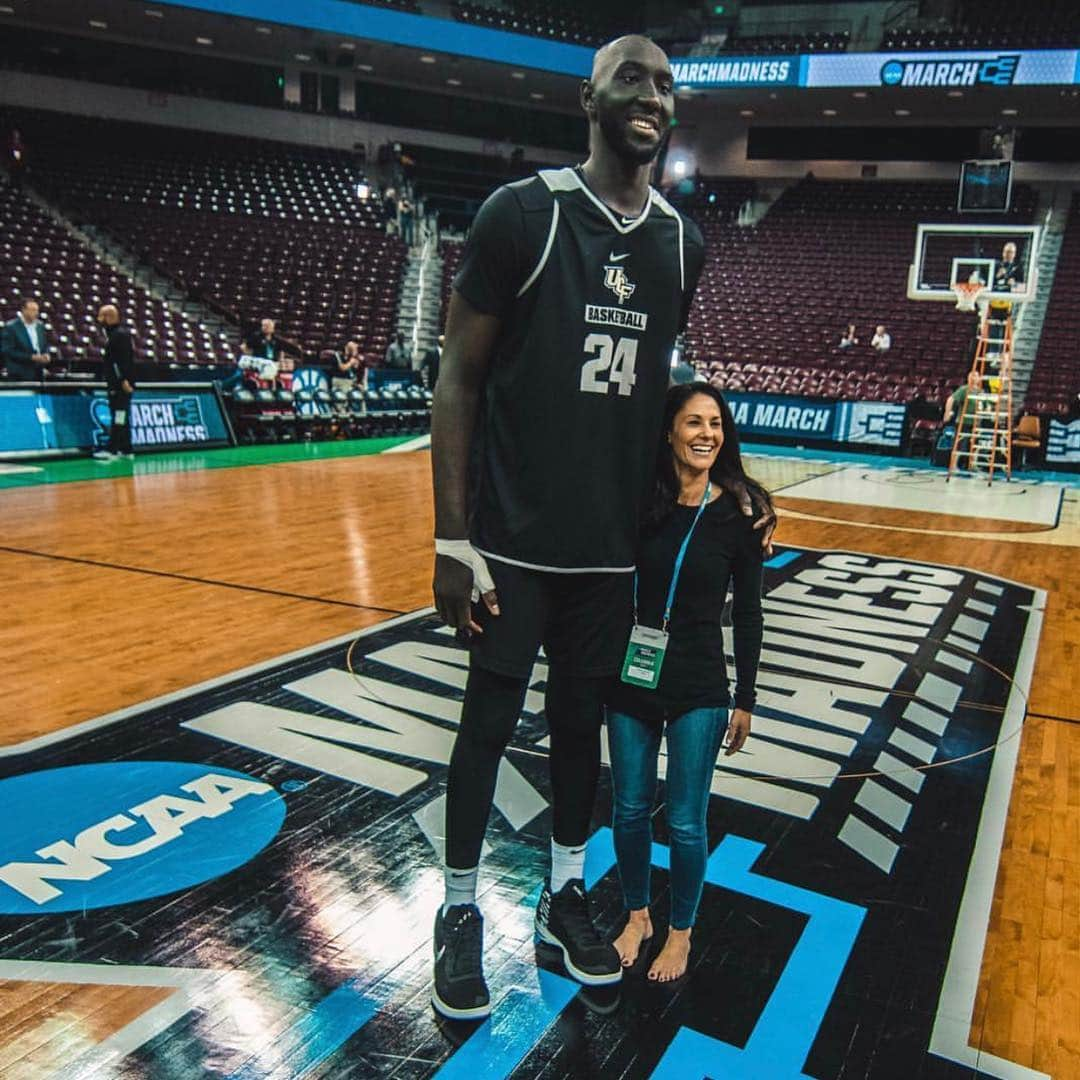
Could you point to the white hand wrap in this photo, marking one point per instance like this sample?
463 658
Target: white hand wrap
463 552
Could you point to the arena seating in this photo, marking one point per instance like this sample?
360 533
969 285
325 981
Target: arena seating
454 183
569 22
252 228
1055 381
41 259
774 299
823 41
981 24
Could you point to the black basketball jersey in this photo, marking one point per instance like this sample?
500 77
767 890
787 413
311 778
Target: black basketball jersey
590 304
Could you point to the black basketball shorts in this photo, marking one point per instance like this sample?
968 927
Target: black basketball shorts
582 621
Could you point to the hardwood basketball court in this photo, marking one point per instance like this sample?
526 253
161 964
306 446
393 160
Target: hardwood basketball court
143 581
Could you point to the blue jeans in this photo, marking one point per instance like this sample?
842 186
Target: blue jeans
693 741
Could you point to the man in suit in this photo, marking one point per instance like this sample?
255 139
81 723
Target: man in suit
26 352
118 361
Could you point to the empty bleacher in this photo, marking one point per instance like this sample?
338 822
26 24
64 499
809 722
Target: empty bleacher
823 41
43 260
251 228
578 24
774 299
990 24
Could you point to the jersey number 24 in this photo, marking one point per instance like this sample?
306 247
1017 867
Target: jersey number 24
612 364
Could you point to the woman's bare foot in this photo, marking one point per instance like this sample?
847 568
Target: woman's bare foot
671 962
635 933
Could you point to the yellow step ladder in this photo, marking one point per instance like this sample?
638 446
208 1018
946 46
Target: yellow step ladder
983 442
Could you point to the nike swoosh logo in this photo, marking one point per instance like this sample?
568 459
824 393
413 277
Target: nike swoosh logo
612 257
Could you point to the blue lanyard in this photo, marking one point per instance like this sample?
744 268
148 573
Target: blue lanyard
678 565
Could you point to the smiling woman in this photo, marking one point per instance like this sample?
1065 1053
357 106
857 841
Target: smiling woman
674 681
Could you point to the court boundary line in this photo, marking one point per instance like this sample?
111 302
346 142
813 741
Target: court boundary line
102 565
1012 538
1025 487
1053 716
39 741
188 987
950 1037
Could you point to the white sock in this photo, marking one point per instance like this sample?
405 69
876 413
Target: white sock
567 863
460 886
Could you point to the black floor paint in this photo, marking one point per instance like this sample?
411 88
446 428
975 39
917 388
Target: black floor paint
329 913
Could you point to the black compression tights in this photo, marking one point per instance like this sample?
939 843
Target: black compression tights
575 710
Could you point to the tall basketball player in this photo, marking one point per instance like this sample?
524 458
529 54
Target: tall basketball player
573 286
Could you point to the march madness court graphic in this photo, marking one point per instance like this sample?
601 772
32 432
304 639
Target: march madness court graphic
270 847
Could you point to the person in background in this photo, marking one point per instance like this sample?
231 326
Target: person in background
347 368
390 210
881 342
15 153
23 346
406 216
694 543
849 337
1008 273
235 377
429 365
118 361
265 344
955 402
286 371
397 355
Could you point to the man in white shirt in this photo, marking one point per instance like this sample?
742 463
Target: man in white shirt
25 351
881 340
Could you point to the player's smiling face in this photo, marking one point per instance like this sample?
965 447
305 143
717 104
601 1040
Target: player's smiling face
634 100
697 433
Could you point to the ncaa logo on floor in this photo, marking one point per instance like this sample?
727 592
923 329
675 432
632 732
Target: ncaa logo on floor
89 836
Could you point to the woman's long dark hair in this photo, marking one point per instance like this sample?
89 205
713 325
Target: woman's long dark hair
727 471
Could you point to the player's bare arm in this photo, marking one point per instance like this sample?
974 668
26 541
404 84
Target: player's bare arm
470 341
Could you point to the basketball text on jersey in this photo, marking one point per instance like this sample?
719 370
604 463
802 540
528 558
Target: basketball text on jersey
613 316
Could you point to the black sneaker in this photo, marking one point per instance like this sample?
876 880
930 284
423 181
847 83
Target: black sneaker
563 920
460 992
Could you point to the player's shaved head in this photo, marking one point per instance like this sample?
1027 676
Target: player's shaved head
631 46
629 99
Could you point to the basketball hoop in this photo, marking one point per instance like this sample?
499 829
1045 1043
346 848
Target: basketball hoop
967 293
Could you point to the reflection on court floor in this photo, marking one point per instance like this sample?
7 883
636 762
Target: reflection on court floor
929 492
275 836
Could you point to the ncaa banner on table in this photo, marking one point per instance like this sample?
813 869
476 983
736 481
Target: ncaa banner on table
72 417
1063 443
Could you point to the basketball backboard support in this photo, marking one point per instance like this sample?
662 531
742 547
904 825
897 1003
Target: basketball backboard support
947 254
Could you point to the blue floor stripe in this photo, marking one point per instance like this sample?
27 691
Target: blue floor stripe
516 1025
783 559
785 1031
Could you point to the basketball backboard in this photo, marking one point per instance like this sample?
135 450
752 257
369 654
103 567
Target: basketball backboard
1002 257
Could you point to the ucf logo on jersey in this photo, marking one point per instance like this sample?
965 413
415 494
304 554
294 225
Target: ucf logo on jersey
616 280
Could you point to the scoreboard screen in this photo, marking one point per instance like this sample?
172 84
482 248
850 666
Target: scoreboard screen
985 186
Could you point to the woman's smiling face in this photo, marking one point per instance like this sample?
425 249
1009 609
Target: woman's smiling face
697 433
